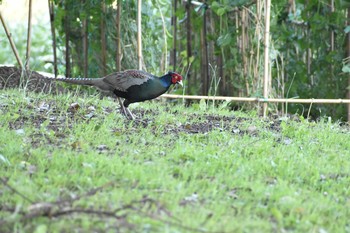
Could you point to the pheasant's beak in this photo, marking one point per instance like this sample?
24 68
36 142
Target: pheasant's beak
180 82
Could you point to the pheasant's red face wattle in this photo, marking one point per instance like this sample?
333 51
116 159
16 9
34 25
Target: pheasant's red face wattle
176 78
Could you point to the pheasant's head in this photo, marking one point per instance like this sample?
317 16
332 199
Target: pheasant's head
175 78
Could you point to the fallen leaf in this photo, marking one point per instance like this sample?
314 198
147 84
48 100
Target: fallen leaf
74 107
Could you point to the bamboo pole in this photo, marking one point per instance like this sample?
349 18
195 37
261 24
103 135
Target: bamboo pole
13 46
29 34
266 55
259 100
139 38
53 33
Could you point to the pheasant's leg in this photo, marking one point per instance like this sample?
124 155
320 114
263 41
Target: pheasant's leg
126 105
130 114
122 106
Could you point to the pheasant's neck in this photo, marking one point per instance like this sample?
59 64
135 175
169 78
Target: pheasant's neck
166 81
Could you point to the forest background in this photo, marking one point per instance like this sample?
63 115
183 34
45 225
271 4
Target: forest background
217 45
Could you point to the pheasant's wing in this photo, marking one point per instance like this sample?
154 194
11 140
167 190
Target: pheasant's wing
125 79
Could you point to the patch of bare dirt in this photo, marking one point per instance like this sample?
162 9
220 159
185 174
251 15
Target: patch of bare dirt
12 77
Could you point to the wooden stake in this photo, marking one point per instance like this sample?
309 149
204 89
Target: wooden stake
13 46
266 57
29 34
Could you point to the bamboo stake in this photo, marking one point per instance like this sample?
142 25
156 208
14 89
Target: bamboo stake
52 20
266 57
13 46
139 38
259 100
29 34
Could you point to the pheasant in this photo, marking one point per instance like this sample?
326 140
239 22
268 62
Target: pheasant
132 85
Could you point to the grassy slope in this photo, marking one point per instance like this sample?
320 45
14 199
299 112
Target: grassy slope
242 175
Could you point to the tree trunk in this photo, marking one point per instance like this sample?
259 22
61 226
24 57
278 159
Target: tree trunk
85 33
103 41
244 49
174 23
204 60
266 55
53 33
67 32
139 38
189 45
348 55
119 49
118 58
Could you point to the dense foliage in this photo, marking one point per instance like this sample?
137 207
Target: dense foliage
218 45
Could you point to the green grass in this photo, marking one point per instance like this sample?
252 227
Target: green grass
204 170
